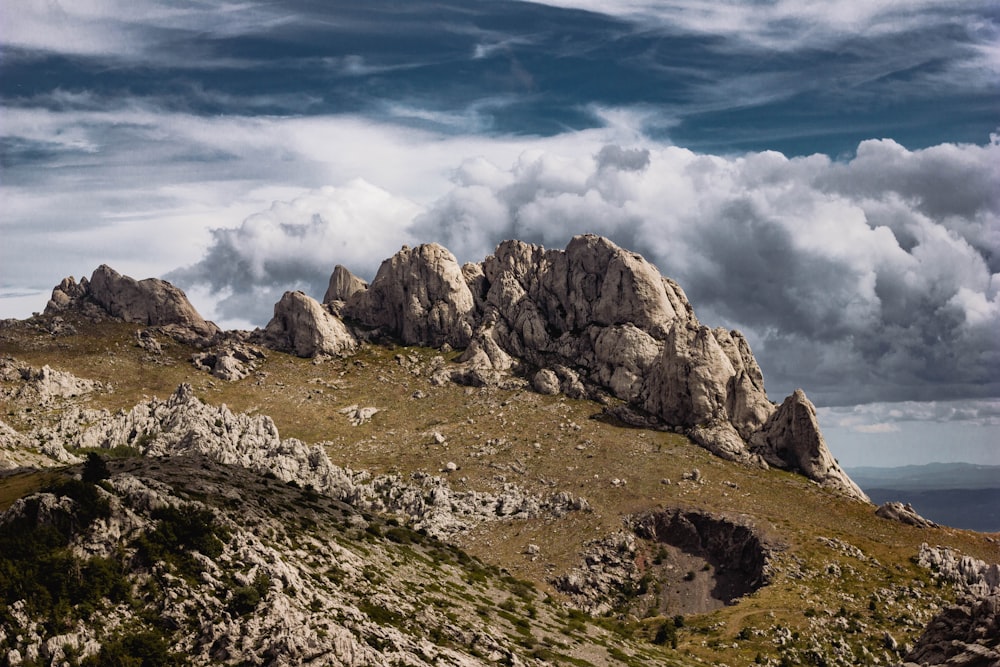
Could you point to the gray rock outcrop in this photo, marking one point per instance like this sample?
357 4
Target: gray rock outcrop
966 634
183 425
302 326
42 386
347 592
152 302
963 635
343 285
589 319
419 294
904 513
230 360
791 439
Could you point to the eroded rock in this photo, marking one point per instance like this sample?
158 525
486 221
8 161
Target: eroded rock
904 513
343 285
420 295
152 302
590 319
302 326
791 439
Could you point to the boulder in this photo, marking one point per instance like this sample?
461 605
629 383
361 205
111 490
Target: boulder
303 327
895 511
420 295
546 382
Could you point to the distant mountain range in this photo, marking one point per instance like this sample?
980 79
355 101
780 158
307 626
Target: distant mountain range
962 495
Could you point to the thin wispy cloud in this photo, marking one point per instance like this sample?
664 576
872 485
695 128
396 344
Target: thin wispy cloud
864 418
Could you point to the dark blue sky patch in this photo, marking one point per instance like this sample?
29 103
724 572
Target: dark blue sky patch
528 69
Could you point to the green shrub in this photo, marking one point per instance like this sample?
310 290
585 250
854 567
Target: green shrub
180 531
666 634
246 598
142 649
95 469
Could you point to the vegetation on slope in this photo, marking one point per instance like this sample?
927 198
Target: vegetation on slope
844 579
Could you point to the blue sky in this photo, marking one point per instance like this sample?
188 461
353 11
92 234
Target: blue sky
820 175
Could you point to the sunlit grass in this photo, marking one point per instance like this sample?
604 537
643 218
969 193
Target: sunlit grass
542 443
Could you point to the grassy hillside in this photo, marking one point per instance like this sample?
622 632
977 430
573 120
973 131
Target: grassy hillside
843 577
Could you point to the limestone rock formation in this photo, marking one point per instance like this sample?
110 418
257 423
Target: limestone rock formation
590 319
895 511
343 285
302 326
420 295
152 302
252 587
967 633
42 386
230 361
608 315
791 439
962 635
16 451
183 425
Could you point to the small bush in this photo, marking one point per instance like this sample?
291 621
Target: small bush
179 532
143 649
95 469
666 634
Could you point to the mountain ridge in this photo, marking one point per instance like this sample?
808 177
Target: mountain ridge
566 534
592 319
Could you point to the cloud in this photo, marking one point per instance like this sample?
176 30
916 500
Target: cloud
134 29
863 280
871 278
295 244
877 428
880 417
787 24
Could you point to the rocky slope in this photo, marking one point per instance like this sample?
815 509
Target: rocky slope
590 320
967 633
238 568
541 428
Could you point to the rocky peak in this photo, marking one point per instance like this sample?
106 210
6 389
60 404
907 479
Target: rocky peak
343 285
152 302
592 282
791 439
593 319
420 295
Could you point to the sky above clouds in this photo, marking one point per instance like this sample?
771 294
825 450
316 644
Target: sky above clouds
822 176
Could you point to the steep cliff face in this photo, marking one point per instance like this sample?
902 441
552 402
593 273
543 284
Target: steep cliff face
601 315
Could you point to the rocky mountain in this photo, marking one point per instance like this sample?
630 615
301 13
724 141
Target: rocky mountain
540 459
590 320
